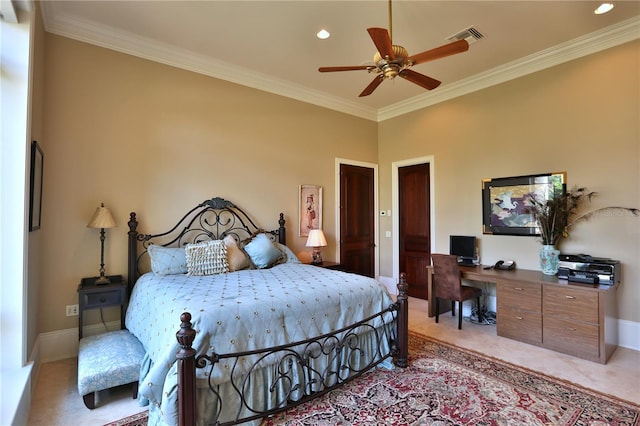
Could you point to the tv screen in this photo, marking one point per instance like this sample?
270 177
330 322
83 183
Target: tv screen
464 247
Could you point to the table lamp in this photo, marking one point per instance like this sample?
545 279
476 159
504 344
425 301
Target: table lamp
316 240
102 219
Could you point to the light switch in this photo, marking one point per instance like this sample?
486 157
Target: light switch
387 234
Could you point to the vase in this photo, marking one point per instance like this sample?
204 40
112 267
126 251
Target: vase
549 259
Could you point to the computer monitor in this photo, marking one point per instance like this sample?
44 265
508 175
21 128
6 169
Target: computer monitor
464 247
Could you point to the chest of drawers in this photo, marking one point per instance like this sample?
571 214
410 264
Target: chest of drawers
559 316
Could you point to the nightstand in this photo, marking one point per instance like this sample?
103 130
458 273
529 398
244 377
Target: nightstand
330 265
92 296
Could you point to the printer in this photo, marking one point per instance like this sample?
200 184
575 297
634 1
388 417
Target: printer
583 268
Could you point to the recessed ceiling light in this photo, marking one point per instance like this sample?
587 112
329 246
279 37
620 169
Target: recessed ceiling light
323 34
603 8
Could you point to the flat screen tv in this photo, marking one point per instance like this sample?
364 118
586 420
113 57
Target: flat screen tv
464 247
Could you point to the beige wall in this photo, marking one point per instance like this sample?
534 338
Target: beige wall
582 117
145 137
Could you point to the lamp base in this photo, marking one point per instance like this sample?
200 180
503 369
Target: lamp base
316 257
102 280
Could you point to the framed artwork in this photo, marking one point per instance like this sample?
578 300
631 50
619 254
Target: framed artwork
310 209
35 200
505 202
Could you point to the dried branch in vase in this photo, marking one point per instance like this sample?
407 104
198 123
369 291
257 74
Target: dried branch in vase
558 214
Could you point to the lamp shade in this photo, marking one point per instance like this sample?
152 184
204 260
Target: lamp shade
102 218
316 238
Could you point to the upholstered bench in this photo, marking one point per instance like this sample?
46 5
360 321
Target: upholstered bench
108 360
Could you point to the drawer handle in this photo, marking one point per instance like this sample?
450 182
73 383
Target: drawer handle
519 318
569 297
571 329
103 299
518 288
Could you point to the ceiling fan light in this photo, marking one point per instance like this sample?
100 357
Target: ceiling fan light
603 8
390 71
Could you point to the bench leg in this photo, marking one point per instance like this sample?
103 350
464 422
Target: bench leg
135 390
89 400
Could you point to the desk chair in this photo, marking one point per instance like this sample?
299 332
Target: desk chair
447 284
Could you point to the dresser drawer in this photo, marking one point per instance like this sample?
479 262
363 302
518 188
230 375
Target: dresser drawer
523 296
571 337
570 303
525 326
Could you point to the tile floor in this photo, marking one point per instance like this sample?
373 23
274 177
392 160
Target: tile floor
56 401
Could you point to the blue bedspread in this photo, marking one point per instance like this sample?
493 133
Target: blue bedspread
243 310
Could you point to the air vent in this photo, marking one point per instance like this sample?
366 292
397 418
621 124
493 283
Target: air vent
470 34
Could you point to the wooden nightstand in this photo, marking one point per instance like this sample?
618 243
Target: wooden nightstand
92 296
330 265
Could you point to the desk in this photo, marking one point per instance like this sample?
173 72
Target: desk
573 318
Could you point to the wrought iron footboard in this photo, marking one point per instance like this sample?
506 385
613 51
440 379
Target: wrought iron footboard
299 371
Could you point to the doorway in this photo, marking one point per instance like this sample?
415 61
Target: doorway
413 200
357 206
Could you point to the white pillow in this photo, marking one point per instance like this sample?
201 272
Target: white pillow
235 256
207 258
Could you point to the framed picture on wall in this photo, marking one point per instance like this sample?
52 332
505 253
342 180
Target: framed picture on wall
310 209
35 199
505 202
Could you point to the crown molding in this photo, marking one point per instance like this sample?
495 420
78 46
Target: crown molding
597 41
146 48
132 44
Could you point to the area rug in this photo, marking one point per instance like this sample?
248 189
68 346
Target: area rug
447 385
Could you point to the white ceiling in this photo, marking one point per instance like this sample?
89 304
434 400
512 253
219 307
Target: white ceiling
271 45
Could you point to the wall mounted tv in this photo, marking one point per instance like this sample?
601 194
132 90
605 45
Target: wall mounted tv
463 246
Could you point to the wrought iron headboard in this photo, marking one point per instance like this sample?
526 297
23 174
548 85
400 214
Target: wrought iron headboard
212 219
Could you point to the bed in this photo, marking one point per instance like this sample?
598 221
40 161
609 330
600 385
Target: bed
258 330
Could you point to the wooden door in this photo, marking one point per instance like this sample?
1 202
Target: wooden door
357 231
414 226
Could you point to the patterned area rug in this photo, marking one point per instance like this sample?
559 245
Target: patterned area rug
447 385
139 419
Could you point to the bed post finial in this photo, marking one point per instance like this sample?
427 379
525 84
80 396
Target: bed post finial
186 357
282 231
403 321
132 261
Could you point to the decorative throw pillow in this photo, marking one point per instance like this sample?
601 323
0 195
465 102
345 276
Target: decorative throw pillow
263 252
167 260
291 256
235 256
207 258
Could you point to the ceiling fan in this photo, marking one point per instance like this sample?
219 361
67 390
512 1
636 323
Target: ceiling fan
393 60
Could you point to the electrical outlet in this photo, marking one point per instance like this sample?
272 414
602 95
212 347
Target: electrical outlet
72 310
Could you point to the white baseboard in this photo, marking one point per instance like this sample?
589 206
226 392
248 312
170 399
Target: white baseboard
629 334
628 331
62 344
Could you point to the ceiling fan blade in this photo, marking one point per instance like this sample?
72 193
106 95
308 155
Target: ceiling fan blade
440 52
348 68
419 79
382 40
372 86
